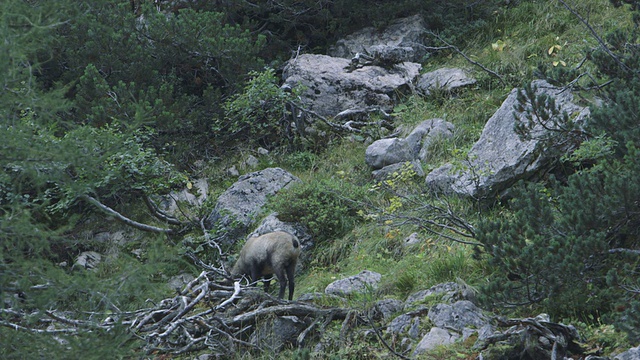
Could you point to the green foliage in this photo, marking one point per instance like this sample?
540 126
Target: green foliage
579 239
260 113
166 71
32 285
327 208
541 114
554 247
314 25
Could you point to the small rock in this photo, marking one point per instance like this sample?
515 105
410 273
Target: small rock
88 260
357 283
436 337
412 240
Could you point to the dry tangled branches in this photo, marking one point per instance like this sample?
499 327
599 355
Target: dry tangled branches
205 315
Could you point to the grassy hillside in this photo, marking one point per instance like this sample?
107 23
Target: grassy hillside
84 127
520 42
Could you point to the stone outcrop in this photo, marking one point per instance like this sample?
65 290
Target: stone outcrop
386 156
330 88
237 208
500 157
357 283
406 33
447 79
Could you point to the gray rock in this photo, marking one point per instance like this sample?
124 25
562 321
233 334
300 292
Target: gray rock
178 282
386 308
357 283
459 315
448 292
415 146
274 334
428 131
631 354
408 324
446 79
407 33
400 324
500 158
169 203
330 89
239 205
391 151
412 239
88 260
251 162
436 337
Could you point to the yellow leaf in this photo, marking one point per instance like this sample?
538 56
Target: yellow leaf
189 185
498 45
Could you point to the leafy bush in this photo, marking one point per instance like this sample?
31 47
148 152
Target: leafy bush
260 113
327 208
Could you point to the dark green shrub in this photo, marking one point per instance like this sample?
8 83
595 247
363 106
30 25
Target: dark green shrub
572 246
327 208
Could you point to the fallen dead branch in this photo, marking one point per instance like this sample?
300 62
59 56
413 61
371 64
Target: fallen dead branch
205 315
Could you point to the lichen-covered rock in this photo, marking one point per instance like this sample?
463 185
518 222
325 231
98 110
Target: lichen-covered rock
357 283
239 205
329 88
500 157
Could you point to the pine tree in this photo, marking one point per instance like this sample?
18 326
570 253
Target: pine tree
573 246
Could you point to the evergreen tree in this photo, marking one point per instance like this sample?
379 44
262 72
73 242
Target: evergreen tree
573 246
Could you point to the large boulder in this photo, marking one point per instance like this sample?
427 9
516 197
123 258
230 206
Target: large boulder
239 205
406 33
330 88
631 354
458 316
500 157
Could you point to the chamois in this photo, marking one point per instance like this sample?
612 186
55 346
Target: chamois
273 253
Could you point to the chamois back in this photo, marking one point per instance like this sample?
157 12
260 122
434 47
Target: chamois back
273 253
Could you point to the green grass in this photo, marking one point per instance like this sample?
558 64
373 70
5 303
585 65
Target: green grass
528 30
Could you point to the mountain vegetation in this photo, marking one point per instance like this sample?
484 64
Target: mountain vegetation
106 106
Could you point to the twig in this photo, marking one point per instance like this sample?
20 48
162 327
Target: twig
155 211
382 340
236 292
455 48
124 219
603 45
